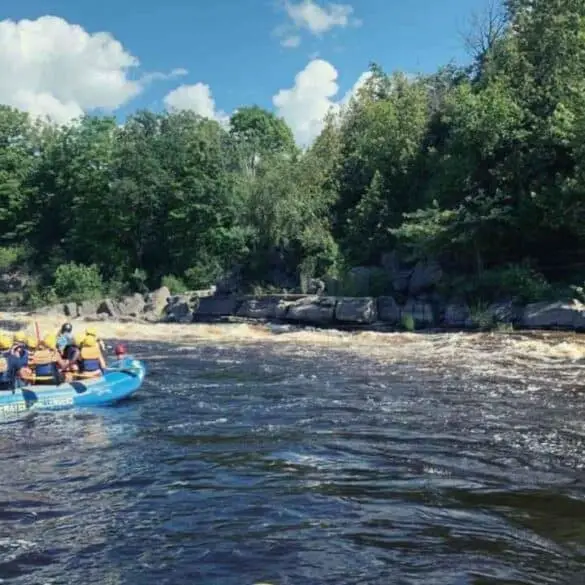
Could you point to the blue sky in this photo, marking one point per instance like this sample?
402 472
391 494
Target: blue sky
231 45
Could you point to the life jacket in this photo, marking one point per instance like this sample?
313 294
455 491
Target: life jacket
90 359
6 369
45 365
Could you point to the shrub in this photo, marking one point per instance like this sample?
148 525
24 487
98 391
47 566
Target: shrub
78 282
174 284
519 282
202 275
35 297
11 257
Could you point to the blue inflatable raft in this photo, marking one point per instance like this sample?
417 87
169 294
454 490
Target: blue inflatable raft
121 380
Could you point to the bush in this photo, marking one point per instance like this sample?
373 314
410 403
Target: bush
11 257
78 282
174 284
202 275
35 297
519 282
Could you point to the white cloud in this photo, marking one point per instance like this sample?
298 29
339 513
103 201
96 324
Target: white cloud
316 19
55 69
196 98
291 42
305 105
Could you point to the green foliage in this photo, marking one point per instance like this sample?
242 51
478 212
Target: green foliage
174 284
407 322
520 283
12 257
481 168
77 282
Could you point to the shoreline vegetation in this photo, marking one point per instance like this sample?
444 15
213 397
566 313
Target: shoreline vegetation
449 200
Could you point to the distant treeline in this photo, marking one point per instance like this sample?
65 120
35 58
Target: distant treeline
481 168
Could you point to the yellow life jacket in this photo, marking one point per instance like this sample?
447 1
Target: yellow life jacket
90 359
44 364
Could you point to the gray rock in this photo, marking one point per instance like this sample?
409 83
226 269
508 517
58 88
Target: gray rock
217 306
560 314
318 310
356 310
88 308
262 308
107 307
457 315
388 310
71 310
156 301
178 312
315 286
131 306
425 275
421 312
505 312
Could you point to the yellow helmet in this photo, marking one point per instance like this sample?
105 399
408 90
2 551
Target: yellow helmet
31 343
78 339
91 331
50 341
4 342
90 341
19 337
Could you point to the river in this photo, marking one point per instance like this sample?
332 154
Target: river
309 457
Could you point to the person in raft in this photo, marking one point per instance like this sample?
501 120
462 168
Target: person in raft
72 356
120 351
7 364
44 367
91 360
91 332
64 338
18 348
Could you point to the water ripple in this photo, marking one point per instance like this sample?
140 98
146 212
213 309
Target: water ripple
239 465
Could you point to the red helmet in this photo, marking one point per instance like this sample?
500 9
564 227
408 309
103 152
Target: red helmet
120 349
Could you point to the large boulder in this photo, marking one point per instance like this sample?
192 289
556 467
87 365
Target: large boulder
356 310
457 316
317 310
107 308
156 301
388 310
88 308
556 315
263 308
131 306
426 275
217 307
505 312
179 309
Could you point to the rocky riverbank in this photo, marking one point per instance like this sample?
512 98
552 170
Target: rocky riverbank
384 312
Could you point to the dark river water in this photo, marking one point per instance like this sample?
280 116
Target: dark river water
305 464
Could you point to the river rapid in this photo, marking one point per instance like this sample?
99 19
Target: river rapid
257 454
